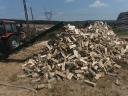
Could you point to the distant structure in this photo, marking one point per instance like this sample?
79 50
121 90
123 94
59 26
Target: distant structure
48 15
122 19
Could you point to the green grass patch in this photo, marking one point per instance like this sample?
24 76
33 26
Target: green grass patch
120 31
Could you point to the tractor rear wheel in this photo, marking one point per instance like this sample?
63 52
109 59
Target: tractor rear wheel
13 42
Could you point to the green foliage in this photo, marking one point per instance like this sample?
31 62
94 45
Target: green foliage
121 31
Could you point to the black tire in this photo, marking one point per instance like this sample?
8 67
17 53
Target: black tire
3 50
13 42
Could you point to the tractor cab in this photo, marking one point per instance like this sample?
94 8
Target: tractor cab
10 36
7 28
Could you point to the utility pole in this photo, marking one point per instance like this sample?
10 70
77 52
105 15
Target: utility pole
26 16
32 15
25 10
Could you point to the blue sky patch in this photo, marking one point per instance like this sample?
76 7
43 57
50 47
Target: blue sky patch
65 9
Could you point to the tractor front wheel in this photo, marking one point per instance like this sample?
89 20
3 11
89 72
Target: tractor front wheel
13 42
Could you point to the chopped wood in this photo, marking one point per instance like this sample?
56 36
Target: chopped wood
86 53
90 83
41 86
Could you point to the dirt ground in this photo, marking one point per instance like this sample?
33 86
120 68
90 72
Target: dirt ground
105 86
11 69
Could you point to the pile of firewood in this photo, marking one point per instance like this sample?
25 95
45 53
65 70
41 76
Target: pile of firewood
82 54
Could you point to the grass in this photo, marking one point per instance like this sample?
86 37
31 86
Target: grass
121 31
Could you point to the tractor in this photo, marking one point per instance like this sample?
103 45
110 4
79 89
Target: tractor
11 35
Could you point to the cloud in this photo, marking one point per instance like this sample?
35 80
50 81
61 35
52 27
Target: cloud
69 1
60 13
120 0
98 3
41 17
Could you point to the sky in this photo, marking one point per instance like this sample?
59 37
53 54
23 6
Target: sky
65 10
